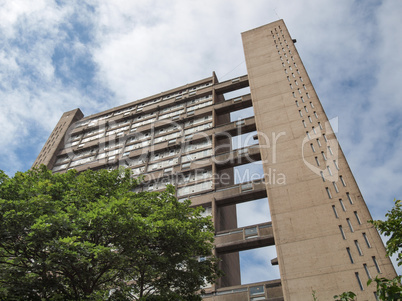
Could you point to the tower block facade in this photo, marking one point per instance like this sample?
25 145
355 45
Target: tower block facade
185 137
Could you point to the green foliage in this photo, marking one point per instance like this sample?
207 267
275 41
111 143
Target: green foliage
346 296
392 227
87 236
389 290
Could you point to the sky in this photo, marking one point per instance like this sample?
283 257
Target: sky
56 56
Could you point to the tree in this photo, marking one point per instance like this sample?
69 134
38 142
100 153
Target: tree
391 289
392 227
88 236
388 289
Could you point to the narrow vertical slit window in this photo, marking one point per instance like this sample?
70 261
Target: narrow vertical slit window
290 85
349 198
304 86
367 271
335 212
305 108
311 105
308 135
330 151
335 186
357 218
342 232
318 142
376 265
293 93
309 119
302 99
300 113
304 124
288 78
298 72
336 164
350 255
308 95
293 75
359 281
316 161
314 131
350 225
342 205
301 79
328 192
296 83
315 114
366 240
325 137
323 156
329 170
299 90
312 147
322 176
343 181
297 103
358 248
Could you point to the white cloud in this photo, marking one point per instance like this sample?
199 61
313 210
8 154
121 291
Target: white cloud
139 48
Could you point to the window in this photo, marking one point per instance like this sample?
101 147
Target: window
343 181
329 170
342 232
314 131
316 161
186 165
366 240
359 281
320 125
304 86
325 137
330 150
349 198
358 248
336 164
324 157
297 103
322 176
305 109
315 114
342 205
376 265
350 255
328 192
335 212
350 225
312 147
367 271
290 85
318 142
302 99
288 78
308 135
304 124
357 218
311 105
335 186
